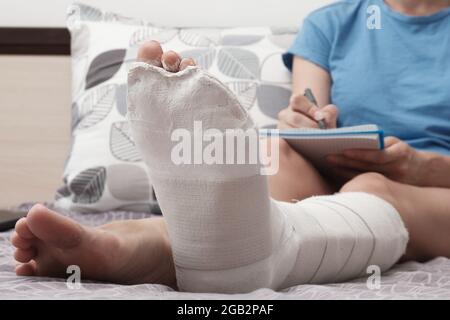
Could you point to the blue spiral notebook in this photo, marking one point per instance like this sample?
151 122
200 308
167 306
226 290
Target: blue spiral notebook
315 144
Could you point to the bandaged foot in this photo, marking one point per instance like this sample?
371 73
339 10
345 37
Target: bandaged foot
227 235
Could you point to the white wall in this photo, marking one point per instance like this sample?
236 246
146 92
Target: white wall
51 13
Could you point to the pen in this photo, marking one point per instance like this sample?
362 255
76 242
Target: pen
310 96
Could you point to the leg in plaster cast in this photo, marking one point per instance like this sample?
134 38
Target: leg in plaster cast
425 212
227 235
139 251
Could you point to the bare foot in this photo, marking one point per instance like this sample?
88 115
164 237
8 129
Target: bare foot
127 252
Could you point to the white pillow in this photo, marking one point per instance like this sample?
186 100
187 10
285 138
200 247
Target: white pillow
104 171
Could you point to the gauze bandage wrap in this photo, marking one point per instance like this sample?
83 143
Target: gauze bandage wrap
227 235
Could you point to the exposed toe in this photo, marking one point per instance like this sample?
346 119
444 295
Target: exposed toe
53 228
186 62
26 269
151 53
25 255
19 242
22 228
171 61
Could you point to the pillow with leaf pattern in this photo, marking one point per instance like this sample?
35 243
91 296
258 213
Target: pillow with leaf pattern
104 171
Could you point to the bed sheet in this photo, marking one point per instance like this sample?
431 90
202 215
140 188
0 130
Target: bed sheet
411 280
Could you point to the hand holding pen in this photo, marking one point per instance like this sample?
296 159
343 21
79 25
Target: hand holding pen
310 96
304 112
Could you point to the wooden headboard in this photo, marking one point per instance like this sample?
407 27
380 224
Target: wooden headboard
37 41
35 113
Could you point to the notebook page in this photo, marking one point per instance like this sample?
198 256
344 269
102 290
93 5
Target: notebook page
316 144
337 131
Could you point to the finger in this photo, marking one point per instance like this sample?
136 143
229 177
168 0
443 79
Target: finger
283 125
392 152
398 150
389 141
368 156
283 120
296 119
345 162
377 156
329 114
301 104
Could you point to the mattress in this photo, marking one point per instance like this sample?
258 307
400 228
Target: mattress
411 280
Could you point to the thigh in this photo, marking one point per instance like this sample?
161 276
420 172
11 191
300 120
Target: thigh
296 178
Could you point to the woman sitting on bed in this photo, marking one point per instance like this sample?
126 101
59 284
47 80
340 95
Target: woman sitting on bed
383 62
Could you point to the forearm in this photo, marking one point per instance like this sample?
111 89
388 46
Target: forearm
435 170
306 74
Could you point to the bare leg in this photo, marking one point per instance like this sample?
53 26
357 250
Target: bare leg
297 179
128 252
425 212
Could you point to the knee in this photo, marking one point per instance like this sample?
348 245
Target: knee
373 183
366 182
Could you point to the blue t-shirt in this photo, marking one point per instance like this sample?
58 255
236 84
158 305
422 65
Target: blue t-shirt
393 71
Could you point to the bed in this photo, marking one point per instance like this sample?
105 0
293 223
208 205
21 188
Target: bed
410 280
30 170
